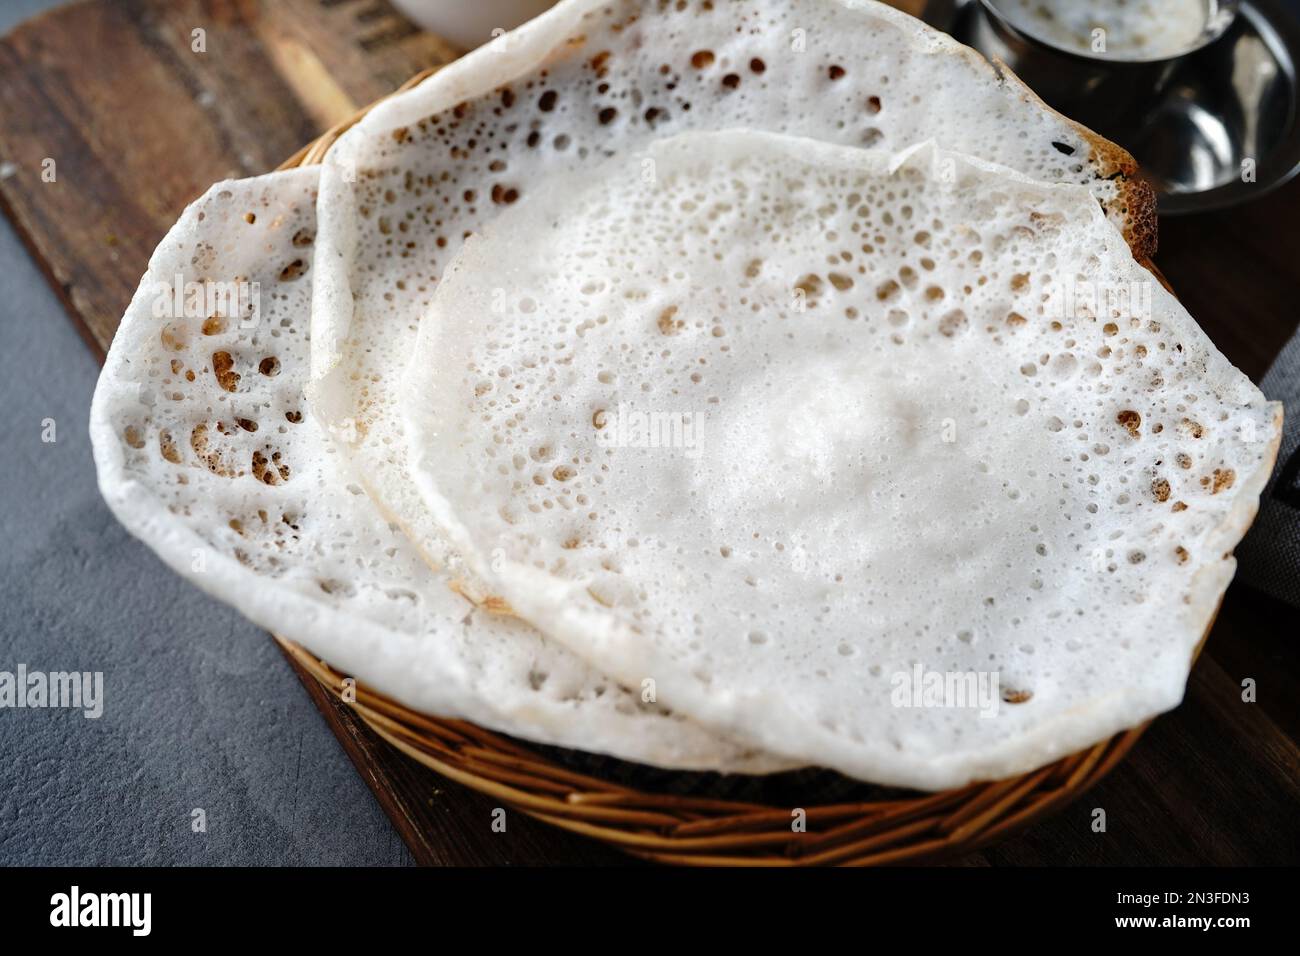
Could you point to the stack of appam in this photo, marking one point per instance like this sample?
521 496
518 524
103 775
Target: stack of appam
714 385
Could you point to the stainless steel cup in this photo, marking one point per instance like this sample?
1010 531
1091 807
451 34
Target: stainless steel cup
1103 91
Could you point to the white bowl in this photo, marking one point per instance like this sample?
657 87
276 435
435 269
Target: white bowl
471 23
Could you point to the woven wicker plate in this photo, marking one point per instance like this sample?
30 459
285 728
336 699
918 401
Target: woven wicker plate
705 819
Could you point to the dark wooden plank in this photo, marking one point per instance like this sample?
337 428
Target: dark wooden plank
1236 272
1213 783
138 123
1255 638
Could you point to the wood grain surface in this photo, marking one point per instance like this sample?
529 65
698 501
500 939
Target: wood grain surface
137 124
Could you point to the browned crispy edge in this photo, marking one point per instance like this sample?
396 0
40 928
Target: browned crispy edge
1133 210
1134 207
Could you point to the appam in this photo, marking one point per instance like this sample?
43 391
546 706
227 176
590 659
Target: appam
591 79
206 450
794 429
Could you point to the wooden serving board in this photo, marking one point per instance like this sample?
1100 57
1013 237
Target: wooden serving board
138 123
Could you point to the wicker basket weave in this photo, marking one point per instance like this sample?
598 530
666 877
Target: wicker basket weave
702 828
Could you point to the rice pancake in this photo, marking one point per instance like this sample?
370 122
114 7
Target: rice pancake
791 428
207 451
591 79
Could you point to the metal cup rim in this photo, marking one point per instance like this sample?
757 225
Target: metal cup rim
1228 14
